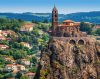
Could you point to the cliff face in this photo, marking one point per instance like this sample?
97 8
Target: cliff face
62 60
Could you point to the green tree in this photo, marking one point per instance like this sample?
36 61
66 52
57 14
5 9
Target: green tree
33 69
9 75
19 54
86 27
33 60
34 21
1 76
18 75
45 21
11 24
24 77
45 37
97 31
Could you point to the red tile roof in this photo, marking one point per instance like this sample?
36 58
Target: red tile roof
30 74
97 27
68 21
65 25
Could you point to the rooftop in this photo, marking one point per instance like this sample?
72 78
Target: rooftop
69 21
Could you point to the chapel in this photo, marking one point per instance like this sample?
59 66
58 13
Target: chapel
67 28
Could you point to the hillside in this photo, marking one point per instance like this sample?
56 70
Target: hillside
20 45
93 17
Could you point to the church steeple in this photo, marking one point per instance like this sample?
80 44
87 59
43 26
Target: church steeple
55 9
54 18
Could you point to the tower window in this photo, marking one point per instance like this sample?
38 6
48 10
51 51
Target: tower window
55 15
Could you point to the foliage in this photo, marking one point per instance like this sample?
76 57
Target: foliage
74 70
11 24
86 27
45 21
37 38
19 54
1 76
9 75
33 60
33 69
47 72
18 75
24 77
97 32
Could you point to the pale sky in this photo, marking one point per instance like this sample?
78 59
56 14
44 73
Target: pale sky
45 6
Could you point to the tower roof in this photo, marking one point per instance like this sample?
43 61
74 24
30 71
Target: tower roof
68 21
55 9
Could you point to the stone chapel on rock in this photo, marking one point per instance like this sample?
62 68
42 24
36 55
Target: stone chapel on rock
68 28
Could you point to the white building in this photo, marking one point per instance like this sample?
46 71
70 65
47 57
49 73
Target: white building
25 44
15 67
2 46
25 62
27 27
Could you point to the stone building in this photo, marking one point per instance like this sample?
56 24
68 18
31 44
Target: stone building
68 28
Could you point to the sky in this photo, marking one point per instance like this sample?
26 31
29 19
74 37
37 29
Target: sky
45 6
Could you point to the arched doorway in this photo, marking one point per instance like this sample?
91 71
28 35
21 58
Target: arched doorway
81 42
66 34
72 42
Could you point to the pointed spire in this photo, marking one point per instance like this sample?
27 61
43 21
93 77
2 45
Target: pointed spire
55 8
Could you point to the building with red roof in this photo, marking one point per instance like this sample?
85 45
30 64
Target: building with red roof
68 28
30 75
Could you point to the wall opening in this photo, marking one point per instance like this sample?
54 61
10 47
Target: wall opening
66 35
72 42
81 42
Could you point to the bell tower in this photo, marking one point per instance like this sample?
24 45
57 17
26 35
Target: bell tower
54 19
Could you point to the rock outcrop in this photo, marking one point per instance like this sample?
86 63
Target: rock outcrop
62 60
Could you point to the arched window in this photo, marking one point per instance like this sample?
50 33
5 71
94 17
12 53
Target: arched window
81 42
72 42
55 15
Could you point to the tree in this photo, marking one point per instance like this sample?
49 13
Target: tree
33 60
24 77
1 76
18 75
45 37
9 75
19 54
45 21
97 31
86 27
12 24
33 69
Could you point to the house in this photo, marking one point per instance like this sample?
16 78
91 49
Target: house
96 27
30 75
3 47
20 67
9 59
25 44
15 67
27 27
25 62
11 67
2 38
5 32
